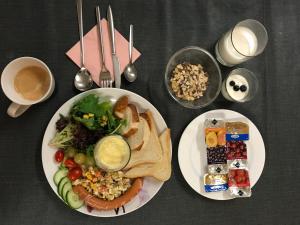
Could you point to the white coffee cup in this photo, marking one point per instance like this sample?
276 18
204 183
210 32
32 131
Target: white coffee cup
19 104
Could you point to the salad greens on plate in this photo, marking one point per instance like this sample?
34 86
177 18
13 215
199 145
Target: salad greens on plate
89 119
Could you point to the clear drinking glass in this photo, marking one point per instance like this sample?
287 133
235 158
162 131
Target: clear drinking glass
240 85
245 40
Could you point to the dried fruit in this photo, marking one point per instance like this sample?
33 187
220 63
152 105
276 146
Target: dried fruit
222 137
211 139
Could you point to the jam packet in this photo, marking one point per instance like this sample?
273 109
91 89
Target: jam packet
239 182
214 133
237 131
216 155
215 182
236 150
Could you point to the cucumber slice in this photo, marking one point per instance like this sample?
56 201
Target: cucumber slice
73 200
61 184
67 187
61 173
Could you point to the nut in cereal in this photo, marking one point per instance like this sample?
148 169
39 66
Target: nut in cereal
189 81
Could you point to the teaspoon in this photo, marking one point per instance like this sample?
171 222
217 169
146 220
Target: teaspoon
83 80
130 72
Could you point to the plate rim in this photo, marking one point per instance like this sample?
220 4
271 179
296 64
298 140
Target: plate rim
71 100
191 122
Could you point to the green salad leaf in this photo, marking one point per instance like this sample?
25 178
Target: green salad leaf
95 113
90 150
90 104
63 138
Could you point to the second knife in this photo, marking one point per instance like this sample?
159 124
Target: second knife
115 60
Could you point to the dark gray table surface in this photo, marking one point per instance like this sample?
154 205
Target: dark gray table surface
47 29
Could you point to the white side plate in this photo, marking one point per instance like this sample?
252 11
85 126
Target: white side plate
192 152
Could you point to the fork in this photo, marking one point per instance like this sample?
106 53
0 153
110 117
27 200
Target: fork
105 80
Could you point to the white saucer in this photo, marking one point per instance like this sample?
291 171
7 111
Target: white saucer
192 152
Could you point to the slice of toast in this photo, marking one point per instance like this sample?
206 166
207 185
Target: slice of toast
132 121
160 170
141 137
151 151
120 107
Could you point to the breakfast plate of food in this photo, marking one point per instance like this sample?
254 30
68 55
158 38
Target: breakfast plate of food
106 152
221 155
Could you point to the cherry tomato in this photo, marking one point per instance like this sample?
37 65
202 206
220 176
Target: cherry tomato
70 163
74 173
59 155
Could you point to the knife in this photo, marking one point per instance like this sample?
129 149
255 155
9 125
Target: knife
115 60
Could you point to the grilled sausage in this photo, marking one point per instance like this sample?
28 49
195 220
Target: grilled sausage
102 204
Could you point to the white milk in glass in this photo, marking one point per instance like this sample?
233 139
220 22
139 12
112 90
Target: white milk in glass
237 50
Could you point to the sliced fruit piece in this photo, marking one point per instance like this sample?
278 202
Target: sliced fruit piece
213 129
61 184
73 200
67 187
222 137
211 139
59 175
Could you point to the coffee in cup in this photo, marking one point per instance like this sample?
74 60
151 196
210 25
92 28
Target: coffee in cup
26 81
32 82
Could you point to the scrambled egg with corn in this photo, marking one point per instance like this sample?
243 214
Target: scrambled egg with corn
105 185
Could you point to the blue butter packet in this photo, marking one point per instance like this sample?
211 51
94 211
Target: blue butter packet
237 131
237 137
215 188
215 182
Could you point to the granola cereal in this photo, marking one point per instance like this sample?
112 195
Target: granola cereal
189 81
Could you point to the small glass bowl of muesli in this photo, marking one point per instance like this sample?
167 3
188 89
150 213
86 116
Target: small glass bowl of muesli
193 77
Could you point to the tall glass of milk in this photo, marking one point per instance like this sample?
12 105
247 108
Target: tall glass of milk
240 85
245 40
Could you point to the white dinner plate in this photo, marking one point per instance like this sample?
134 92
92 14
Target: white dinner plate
192 152
150 187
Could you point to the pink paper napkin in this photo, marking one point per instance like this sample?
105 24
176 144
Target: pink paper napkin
93 61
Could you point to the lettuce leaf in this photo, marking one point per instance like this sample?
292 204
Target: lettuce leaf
102 111
90 104
63 138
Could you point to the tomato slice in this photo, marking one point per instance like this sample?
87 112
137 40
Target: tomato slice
75 173
70 163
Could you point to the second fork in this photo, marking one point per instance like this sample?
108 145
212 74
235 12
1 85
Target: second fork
104 76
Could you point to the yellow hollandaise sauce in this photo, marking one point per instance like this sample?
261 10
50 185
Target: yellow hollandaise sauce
112 153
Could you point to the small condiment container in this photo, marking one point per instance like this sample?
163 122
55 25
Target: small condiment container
112 153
